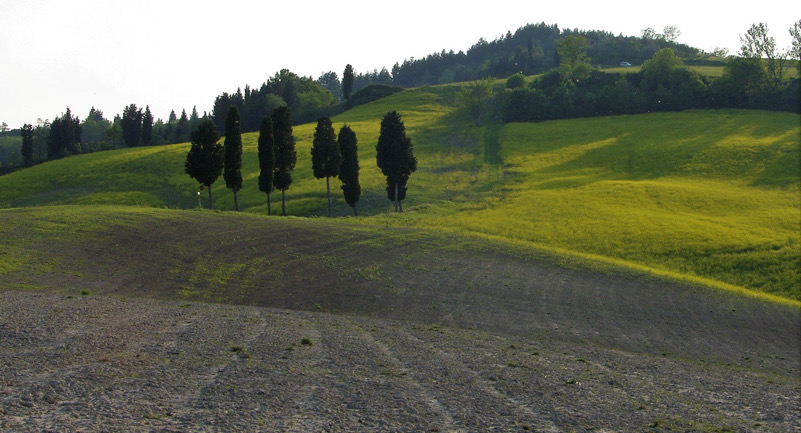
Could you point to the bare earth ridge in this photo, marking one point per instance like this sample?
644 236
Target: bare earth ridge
440 340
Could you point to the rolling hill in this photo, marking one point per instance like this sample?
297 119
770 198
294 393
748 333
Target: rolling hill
710 197
558 276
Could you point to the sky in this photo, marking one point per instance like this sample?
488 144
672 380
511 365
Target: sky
176 54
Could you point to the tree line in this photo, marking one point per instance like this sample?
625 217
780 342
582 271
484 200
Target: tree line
532 49
67 135
331 156
304 97
757 79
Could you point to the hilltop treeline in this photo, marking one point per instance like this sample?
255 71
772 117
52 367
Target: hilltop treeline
663 84
530 50
306 98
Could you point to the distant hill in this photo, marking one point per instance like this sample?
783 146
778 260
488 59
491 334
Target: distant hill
530 50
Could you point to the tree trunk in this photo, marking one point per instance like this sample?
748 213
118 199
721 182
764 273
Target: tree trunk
211 203
328 189
268 204
396 196
400 206
355 212
283 202
236 202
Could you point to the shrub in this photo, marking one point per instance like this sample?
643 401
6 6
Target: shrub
516 81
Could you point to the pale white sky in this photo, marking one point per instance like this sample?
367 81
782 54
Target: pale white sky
179 54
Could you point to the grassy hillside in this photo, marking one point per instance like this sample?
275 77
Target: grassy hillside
707 196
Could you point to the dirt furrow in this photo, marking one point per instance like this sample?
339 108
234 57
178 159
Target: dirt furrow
94 363
436 415
470 402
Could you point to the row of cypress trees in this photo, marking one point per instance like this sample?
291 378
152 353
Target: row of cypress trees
337 156
206 158
331 156
277 155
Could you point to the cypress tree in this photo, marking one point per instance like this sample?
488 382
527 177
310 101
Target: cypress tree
27 144
182 128
233 153
65 136
347 82
395 157
325 154
349 170
131 124
285 154
204 161
147 127
266 158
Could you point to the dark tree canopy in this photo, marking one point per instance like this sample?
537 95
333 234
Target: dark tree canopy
306 98
349 169
27 144
182 128
95 114
330 81
325 154
233 153
147 127
131 124
347 81
204 161
65 136
266 158
94 132
285 154
395 156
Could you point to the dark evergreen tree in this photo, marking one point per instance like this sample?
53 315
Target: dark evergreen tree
349 169
169 128
285 154
325 154
95 114
93 131
131 125
347 81
147 127
221 105
27 144
266 158
65 136
395 157
182 131
233 153
194 119
205 159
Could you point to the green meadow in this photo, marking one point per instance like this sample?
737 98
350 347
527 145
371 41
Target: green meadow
710 197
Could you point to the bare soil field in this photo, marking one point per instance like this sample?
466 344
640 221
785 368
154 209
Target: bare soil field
405 333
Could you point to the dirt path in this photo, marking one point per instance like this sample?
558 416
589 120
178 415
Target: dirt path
95 363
